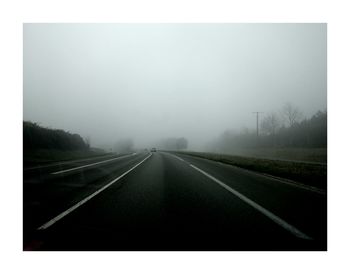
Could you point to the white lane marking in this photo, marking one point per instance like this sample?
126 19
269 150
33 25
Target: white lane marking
278 179
296 232
177 157
69 210
60 163
93 164
295 184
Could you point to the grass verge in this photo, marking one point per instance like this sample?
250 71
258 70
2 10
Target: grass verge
42 156
292 154
306 173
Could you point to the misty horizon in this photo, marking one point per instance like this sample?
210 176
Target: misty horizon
175 137
149 82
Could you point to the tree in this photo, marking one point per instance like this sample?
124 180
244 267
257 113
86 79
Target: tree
37 137
291 114
124 146
270 124
87 141
175 143
181 143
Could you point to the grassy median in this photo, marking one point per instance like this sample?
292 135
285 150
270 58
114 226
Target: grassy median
306 173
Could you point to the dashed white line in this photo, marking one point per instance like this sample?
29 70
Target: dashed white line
296 232
93 164
69 210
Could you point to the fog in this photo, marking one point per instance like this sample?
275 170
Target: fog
153 81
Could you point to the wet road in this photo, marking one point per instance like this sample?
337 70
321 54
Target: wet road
165 201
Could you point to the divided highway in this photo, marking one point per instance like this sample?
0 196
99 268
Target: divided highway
166 201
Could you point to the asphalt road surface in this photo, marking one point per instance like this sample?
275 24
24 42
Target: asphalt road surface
162 202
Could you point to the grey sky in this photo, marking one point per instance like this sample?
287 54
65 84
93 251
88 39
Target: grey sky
149 81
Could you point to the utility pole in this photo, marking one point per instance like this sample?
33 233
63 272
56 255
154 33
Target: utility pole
257 123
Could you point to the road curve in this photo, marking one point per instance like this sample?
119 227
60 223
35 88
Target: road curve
163 201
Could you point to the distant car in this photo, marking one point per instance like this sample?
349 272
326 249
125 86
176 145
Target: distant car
153 149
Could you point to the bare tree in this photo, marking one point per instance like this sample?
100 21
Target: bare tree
123 146
181 143
291 114
87 142
270 123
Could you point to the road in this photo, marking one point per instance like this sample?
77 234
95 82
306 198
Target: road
164 201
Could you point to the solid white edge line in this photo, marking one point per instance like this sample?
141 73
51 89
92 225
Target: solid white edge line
177 157
279 179
79 167
296 232
64 162
261 174
69 210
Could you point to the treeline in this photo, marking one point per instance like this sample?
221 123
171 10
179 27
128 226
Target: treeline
277 131
309 133
174 143
37 137
123 146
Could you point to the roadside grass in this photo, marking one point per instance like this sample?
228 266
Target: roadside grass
306 173
291 154
41 156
